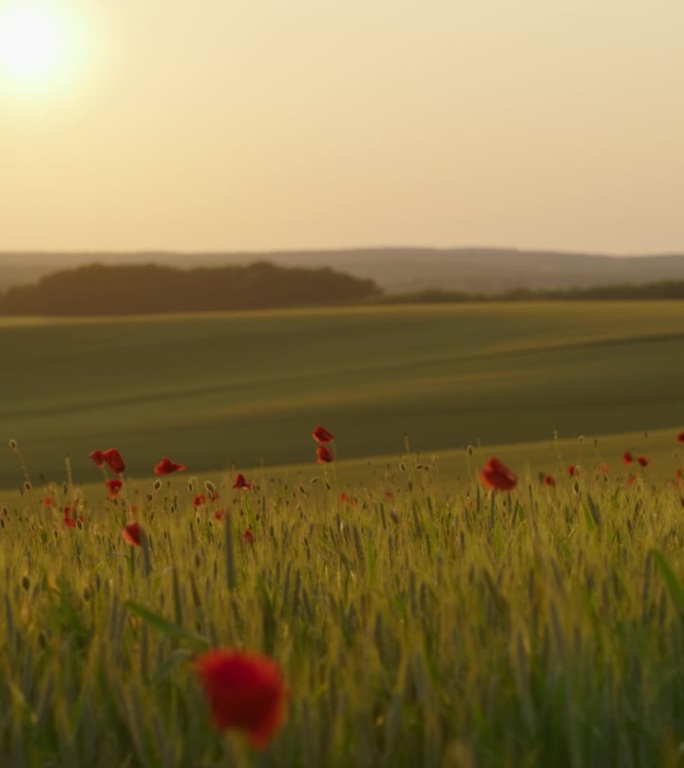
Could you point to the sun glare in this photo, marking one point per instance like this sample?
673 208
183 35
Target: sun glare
37 44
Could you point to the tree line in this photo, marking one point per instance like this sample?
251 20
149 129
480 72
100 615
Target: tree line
141 289
669 289
150 289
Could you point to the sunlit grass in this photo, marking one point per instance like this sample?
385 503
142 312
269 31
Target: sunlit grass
419 620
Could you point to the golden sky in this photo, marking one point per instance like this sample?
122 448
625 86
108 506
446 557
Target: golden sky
282 124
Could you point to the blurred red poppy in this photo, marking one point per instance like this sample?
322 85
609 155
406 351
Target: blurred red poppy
132 534
98 458
643 461
573 469
497 476
322 435
166 467
323 454
113 487
245 691
604 469
241 483
218 515
680 437
627 458
248 537
114 460
550 481
199 499
48 501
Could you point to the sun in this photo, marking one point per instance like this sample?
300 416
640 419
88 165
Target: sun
36 43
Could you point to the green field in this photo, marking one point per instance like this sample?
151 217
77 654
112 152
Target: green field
246 389
418 618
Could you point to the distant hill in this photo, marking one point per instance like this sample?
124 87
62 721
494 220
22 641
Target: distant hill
147 289
478 270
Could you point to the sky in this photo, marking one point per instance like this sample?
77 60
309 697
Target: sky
287 124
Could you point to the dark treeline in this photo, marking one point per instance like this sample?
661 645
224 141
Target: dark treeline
100 290
661 290
150 289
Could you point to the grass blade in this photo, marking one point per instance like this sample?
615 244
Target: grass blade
164 626
674 585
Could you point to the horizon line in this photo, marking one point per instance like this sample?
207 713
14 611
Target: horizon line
329 250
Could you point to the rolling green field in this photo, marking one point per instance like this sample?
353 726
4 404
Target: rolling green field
246 389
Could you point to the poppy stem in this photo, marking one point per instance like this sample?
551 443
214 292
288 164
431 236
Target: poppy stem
336 479
492 510
250 512
230 553
124 495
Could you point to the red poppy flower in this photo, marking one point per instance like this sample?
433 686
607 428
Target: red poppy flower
199 500
98 458
573 470
680 437
132 534
114 460
166 467
643 461
630 479
322 435
498 476
48 501
218 515
69 522
113 487
323 454
241 483
248 537
245 691
627 458
678 473
604 469
550 481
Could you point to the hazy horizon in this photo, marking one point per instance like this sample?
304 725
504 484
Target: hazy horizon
351 249
258 127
